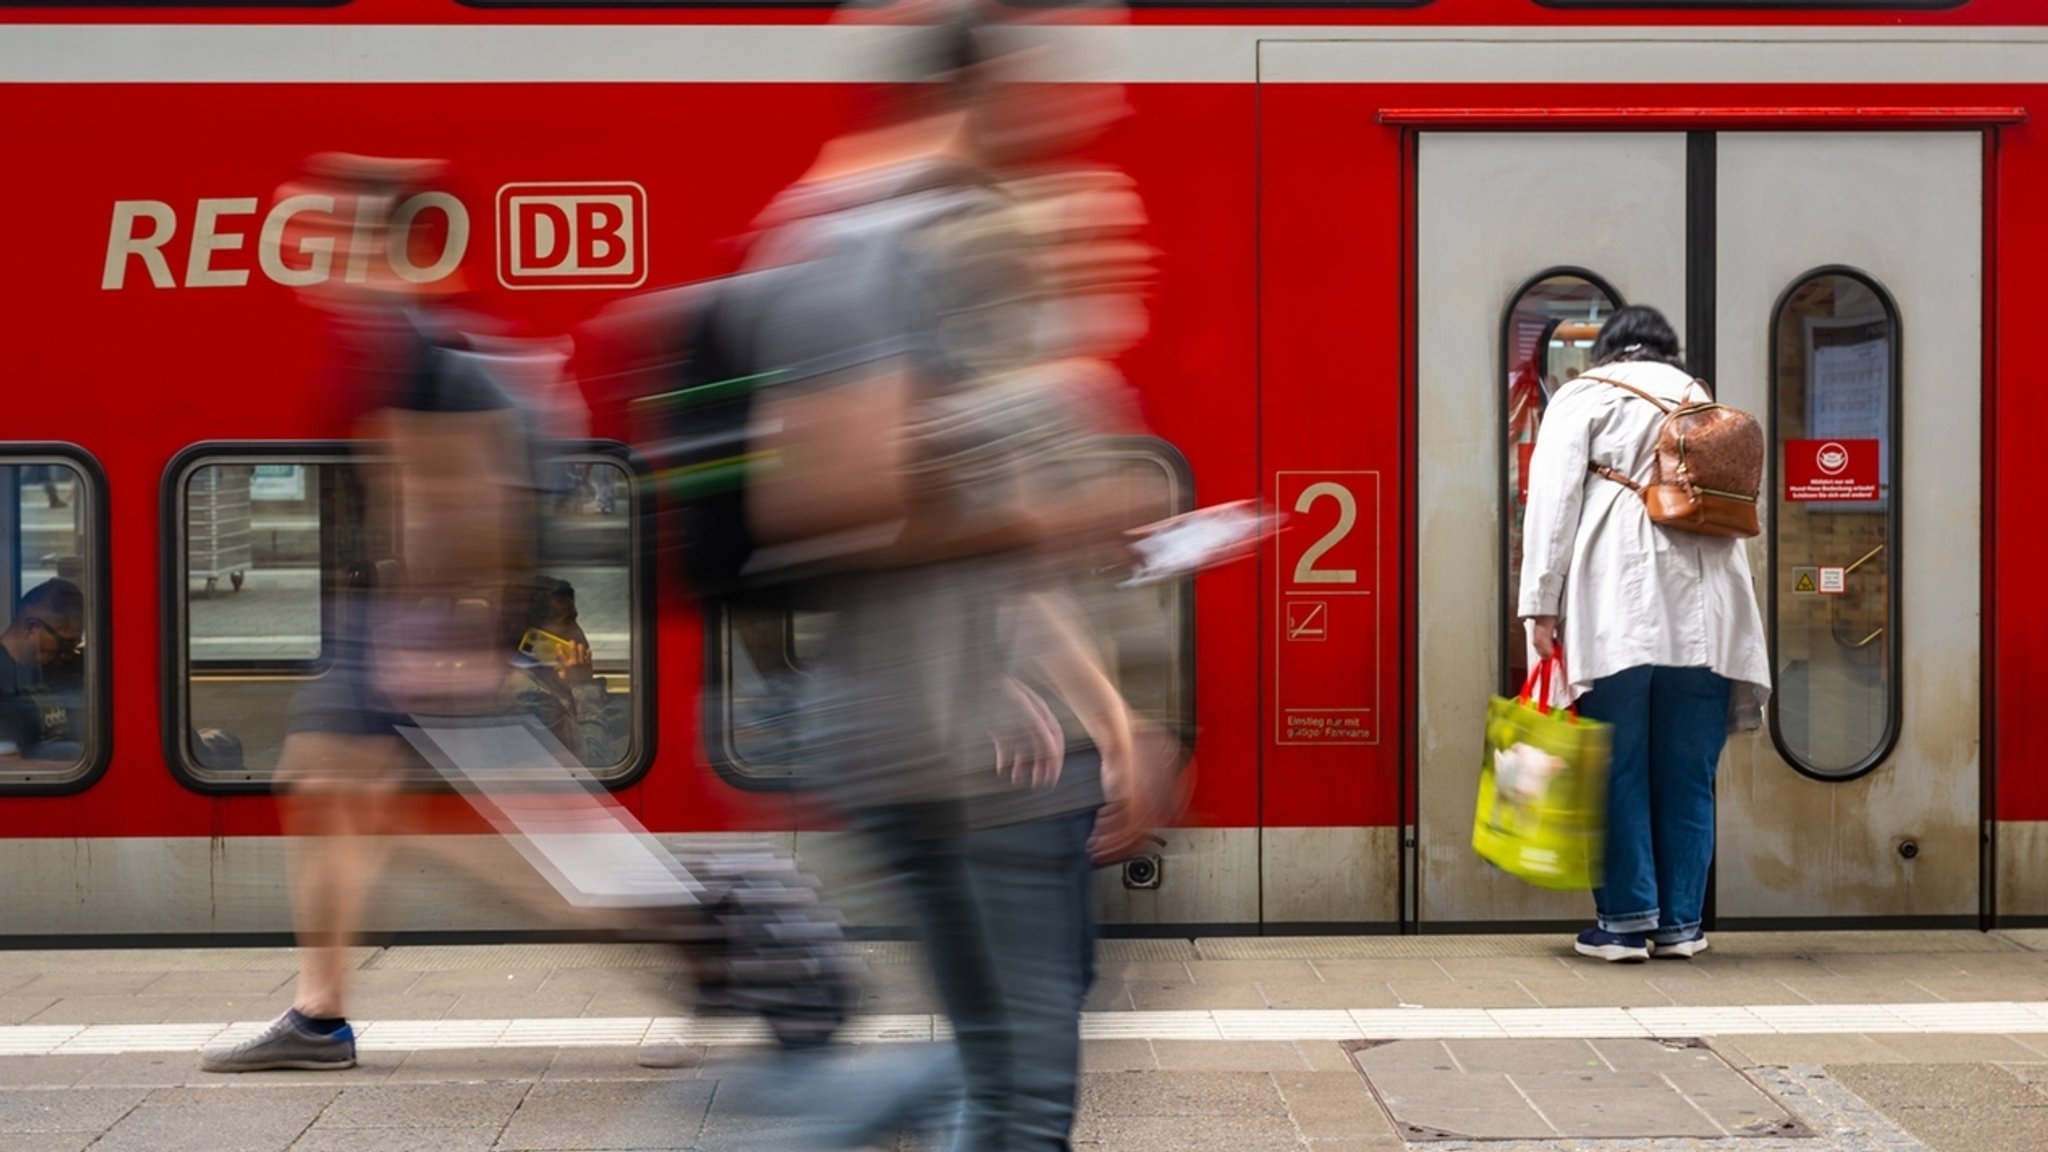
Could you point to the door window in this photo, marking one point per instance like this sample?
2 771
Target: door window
1546 341
1834 554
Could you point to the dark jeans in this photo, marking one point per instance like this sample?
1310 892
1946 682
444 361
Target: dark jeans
1669 727
1031 881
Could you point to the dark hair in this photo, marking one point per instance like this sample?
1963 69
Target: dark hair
546 591
1637 332
53 600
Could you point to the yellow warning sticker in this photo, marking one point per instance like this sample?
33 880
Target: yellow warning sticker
1805 581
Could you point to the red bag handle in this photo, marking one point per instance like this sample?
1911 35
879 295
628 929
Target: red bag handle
1539 680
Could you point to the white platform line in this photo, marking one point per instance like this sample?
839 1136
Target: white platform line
1988 1018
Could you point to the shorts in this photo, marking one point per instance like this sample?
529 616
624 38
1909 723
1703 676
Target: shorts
342 703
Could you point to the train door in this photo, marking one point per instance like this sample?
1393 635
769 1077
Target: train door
1829 283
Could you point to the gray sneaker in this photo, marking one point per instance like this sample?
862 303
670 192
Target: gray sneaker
285 1044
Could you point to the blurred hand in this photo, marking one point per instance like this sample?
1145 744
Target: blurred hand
1030 751
1543 635
1142 789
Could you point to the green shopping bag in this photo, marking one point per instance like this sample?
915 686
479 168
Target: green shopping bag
1542 814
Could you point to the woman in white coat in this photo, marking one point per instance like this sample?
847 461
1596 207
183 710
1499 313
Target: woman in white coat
1660 629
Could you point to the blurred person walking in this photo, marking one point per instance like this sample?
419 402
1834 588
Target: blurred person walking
1660 628
449 450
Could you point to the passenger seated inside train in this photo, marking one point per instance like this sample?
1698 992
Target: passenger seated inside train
46 632
551 680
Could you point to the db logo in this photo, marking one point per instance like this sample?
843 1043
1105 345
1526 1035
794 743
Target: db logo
1831 459
572 235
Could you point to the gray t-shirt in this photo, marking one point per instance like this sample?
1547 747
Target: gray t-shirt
919 268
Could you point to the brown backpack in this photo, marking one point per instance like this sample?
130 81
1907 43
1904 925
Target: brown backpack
1710 467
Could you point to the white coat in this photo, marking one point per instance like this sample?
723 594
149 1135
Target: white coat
1627 592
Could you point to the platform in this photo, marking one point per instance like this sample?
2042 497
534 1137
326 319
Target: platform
1822 1042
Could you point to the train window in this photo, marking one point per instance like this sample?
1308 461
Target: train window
1546 339
756 667
1834 545
280 551
53 619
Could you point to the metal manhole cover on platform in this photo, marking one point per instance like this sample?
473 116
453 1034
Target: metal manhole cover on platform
1566 1089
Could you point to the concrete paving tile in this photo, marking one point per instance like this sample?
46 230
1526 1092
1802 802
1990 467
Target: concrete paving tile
321 1138
368 982
1860 990
645 1002
660 1114
1228 1055
1984 989
1611 992
1966 1130
471 1065
1405 968
1108 996
401 1006
1252 971
2033 1042
1117 1056
1180 1092
464 981
1182 997
216 1120
1975 1086
45 1071
1654 1056
1325 1056
1463 994
1332 1105
370 1070
47 1141
1895 966
1714 965
17 1009
1416 1096
1519 1056
73 983
1728 1099
1810 1050
1515 1121
1388 1143
94 1110
1145 971
424 1106
618 1064
1408 1056
151 1070
1346 995
1940 1048
217 983
1630 1107
1511 967
127 1009
1694 991
1114 1133
502 1005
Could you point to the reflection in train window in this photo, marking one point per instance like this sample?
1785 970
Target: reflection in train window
1546 340
1834 554
755 677
283 554
53 650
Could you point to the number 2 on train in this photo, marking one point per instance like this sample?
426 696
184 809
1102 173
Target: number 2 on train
1305 570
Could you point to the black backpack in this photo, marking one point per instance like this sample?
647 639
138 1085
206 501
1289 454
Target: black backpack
679 360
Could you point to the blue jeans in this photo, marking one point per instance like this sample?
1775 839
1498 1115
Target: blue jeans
1031 881
1669 727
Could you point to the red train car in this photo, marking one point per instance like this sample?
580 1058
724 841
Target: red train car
1387 226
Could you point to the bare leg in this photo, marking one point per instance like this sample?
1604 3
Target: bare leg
337 808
